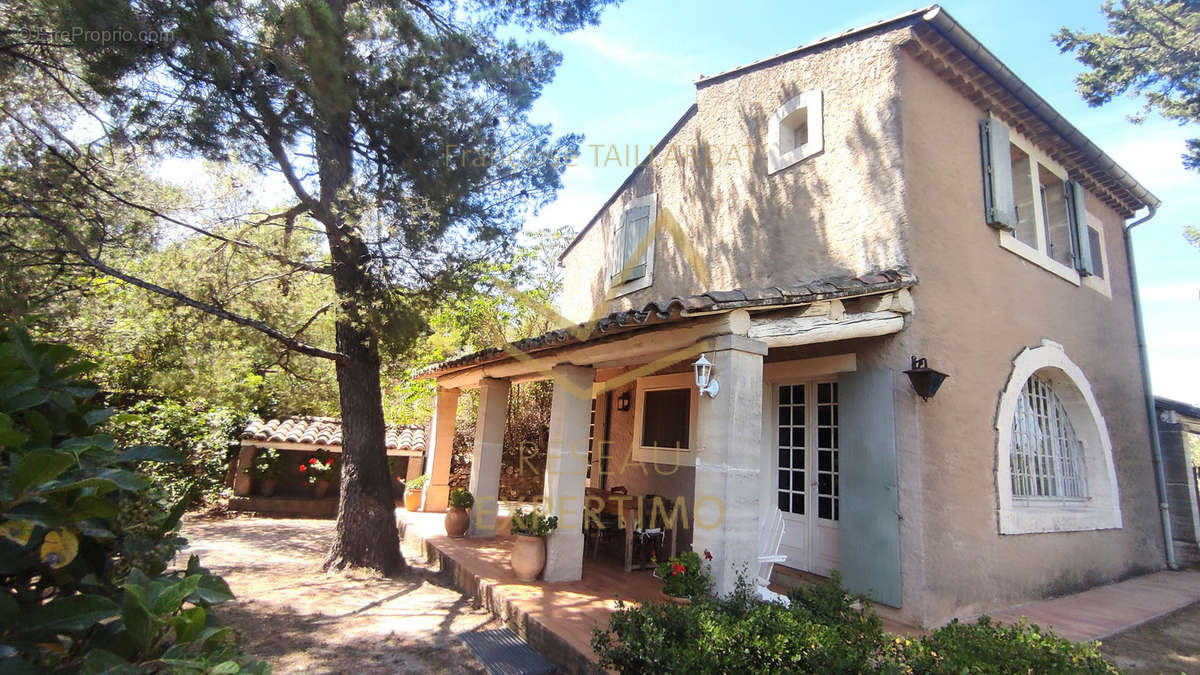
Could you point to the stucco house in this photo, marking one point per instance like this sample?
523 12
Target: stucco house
811 224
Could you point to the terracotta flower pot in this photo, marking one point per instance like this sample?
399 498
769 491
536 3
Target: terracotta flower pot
267 487
320 489
457 521
412 500
528 557
678 601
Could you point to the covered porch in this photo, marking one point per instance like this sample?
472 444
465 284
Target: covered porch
626 414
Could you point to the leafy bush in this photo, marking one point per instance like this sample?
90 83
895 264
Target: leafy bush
532 522
417 483
84 538
267 464
202 433
685 576
461 499
317 468
825 630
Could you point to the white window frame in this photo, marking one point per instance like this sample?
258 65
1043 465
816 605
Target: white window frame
1037 255
1100 284
616 291
671 457
1101 509
781 153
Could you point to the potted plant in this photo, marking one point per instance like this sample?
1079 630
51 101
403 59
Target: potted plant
685 577
318 472
457 518
529 552
413 488
267 468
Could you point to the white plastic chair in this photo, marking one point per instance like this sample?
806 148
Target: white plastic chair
769 539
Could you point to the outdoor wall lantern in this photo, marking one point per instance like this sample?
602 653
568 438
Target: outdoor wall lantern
704 378
623 402
925 380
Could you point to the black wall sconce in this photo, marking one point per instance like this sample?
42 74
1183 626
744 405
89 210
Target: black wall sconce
925 380
623 402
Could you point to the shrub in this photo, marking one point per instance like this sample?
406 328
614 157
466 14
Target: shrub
267 464
533 523
825 630
317 468
201 432
685 576
461 499
417 483
84 537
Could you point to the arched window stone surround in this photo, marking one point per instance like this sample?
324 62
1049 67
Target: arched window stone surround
1101 509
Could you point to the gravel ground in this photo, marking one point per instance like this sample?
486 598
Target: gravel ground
301 619
1169 644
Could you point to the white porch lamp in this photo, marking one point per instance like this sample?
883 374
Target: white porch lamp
704 380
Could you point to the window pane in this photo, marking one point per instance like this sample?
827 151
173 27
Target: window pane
785 415
785 395
825 508
1054 215
798 504
785 482
785 437
1025 229
665 418
1097 254
785 500
824 438
785 457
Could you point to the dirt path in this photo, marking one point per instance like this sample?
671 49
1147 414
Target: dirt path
1169 644
303 620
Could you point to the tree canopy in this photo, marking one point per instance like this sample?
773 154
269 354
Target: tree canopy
1151 50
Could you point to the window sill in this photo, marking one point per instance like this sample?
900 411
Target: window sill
629 287
1025 517
1010 243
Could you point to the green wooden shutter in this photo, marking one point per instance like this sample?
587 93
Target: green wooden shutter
636 230
1077 212
869 541
1000 209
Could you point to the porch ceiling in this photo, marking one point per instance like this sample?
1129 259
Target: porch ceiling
661 329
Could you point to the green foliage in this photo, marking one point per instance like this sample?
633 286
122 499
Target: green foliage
533 523
417 483
825 630
685 575
1149 50
200 433
85 539
461 499
988 647
268 463
317 468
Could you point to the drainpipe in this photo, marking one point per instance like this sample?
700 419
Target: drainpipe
1160 476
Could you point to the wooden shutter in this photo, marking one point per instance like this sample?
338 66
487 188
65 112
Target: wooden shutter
1077 213
616 250
635 231
1000 210
869 541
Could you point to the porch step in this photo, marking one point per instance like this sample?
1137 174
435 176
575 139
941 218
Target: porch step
504 653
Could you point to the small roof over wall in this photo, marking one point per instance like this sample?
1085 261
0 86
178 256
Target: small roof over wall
1184 409
312 433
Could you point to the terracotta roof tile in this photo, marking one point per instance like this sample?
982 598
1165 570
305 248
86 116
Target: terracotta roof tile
326 432
677 308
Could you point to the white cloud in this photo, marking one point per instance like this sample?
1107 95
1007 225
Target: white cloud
1171 293
574 207
657 65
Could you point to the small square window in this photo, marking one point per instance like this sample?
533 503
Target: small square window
665 418
795 131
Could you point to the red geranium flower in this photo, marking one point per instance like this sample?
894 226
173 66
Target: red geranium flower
676 568
313 460
707 555
303 468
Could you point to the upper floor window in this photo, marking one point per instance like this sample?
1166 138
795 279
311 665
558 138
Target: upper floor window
795 131
631 249
1041 214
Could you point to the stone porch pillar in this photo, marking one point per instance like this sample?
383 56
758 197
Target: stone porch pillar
728 440
566 470
485 458
441 449
242 481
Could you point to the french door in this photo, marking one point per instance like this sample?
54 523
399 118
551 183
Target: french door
806 468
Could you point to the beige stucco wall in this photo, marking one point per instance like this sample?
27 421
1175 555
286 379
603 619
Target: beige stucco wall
978 306
838 212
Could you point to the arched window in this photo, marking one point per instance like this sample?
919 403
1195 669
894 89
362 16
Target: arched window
1054 466
1046 458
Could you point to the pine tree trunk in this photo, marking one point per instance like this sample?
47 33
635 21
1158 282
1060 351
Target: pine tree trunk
366 522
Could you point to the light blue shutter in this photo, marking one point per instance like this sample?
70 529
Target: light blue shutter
1000 209
869 540
1077 212
617 251
636 230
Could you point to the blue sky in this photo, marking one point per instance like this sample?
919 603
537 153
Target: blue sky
626 81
